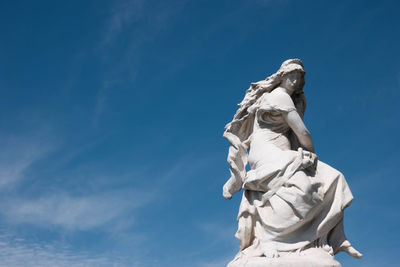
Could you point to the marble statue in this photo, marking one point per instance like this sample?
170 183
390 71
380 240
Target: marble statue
291 213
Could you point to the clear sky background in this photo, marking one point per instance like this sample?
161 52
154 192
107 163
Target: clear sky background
112 115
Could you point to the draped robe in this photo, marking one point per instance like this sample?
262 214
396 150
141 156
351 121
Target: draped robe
285 207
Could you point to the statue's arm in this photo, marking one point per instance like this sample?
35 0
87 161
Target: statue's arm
295 122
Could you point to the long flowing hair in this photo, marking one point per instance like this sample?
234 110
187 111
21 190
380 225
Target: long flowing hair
238 131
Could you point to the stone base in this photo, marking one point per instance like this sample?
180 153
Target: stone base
310 258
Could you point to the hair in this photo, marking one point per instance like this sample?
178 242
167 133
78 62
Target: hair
238 131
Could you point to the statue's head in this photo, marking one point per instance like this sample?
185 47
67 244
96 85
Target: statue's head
292 74
291 65
291 71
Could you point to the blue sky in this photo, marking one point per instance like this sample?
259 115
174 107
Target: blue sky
112 114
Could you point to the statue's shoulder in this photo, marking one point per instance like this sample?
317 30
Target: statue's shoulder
278 99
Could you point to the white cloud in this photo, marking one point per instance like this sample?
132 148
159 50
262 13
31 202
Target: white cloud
57 207
73 212
136 24
18 153
123 13
18 252
221 235
101 103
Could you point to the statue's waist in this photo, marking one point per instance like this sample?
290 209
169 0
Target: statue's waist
263 139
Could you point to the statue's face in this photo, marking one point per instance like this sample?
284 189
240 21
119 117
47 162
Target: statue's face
293 80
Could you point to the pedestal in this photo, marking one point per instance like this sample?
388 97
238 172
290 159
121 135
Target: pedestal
310 258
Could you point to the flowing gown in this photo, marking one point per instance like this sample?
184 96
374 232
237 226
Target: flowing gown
285 207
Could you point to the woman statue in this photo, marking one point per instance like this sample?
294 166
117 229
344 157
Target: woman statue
292 202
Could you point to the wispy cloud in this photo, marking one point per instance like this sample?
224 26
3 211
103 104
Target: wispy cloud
222 236
218 230
72 212
84 199
97 207
134 24
101 102
123 13
19 152
18 252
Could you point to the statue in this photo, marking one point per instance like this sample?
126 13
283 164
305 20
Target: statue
293 204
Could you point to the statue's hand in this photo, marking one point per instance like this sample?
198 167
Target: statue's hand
309 159
230 187
226 193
